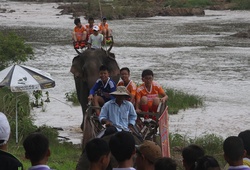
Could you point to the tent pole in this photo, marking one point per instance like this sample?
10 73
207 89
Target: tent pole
16 122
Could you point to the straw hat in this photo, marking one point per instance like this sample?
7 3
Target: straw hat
120 91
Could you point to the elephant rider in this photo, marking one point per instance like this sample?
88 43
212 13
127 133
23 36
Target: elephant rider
118 114
96 39
104 30
79 34
129 84
104 85
148 94
89 27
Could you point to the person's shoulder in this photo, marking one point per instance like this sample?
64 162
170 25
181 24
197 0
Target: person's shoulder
132 83
154 83
111 80
140 87
120 83
11 159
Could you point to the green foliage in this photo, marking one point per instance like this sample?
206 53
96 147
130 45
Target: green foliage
72 97
13 50
188 3
241 4
211 143
64 156
8 101
178 100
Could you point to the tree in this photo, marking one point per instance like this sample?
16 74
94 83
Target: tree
13 49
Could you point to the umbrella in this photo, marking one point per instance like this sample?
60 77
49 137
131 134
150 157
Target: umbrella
20 78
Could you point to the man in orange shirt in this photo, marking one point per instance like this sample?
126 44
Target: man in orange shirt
104 29
149 94
79 34
129 84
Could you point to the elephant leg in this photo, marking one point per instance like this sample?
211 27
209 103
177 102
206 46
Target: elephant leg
82 95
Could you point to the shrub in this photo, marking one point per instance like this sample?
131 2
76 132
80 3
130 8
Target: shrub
13 50
72 97
178 100
241 4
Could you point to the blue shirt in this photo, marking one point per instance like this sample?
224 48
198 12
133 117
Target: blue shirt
109 87
119 115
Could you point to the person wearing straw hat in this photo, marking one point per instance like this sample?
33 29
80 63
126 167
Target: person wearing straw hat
118 114
7 160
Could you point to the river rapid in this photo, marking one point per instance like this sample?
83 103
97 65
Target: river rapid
194 54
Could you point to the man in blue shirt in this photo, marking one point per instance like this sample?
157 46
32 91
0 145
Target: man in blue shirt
118 112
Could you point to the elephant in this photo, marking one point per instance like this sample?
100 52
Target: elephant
85 68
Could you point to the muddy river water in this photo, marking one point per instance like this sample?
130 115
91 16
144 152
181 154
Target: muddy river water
194 54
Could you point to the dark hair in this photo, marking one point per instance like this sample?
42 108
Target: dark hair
125 68
77 20
96 148
147 72
165 163
206 162
245 136
91 19
104 18
191 153
233 148
122 145
36 146
103 68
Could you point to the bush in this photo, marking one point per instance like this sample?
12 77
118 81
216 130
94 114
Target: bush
72 97
13 50
178 100
8 101
241 4
211 144
188 3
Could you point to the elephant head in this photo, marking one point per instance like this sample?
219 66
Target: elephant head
85 68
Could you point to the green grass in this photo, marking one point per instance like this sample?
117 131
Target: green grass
188 3
211 144
178 100
64 155
241 4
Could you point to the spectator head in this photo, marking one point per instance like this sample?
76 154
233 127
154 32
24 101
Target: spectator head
122 146
36 147
97 150
190 154
245 136
233 148
207 163
77 21
149 150
4 129
165 163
